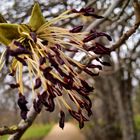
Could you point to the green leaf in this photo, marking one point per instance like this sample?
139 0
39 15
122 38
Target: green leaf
8 32
37 18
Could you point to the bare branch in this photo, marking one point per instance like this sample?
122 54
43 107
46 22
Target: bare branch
24 125
8 130
136 6
90 3
132 30
97 22
122 11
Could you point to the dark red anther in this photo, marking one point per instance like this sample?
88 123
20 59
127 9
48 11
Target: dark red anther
58 46
75 11
18 51
86 86
18 44
37 83
74 114
89 38
87 10
7 55
81 121
90 72
60 60
37 105
51 91
33 36
43 98
76 29
51 105
94 66
14 85
42 60
21 60
93 15
45 42
100 49
86 47
103 62
71 50
62 119
77 115
57 91
12 73
23 114
22 104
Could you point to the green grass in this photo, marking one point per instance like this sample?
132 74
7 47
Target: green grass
34 132
39 130
137 122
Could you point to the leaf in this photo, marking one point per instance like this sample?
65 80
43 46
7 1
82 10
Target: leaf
37 18
8 32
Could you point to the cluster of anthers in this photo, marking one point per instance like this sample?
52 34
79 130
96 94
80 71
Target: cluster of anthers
39 47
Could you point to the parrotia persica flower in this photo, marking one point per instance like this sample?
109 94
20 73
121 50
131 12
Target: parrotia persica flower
39 47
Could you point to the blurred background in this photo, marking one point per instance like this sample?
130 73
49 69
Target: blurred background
116 98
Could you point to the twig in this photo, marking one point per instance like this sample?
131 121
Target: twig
132 30
97 22
8 130
123 9
124 37
90 3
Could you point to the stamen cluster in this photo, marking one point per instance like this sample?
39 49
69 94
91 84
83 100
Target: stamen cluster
51 71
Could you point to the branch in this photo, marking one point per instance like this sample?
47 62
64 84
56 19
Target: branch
97 22
24 125
8 130
124 37
132 30
123 10
90 3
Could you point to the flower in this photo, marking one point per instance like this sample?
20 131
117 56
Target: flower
40 47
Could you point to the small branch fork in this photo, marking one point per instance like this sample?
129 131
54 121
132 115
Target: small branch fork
132 30
19 130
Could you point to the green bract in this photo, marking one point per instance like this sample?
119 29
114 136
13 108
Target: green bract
10 32
37 18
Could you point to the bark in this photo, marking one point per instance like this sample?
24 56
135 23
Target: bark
123 95
24 125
